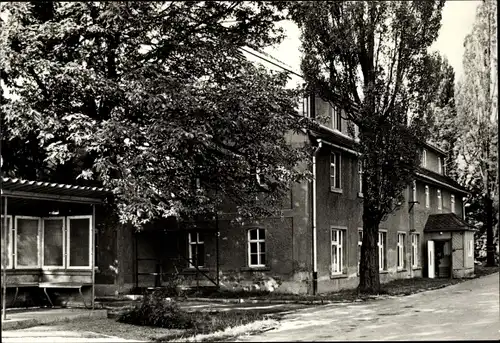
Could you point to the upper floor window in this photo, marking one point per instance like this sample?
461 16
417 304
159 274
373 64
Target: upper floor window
440 200
452 201
335 162
414 189
336 118
440 165
424 158
427 197
257 247
360 176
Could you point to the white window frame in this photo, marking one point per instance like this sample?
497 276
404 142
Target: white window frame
336 118
39 260
360 243
440 200
452 203
415 240
401 252
192 243
424 158
382 250
414 189
258 240
470 248
427 196
339 245
440 165
64 247
360 175
10 240
68 246
336 164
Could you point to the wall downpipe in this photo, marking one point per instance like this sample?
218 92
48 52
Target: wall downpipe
314 219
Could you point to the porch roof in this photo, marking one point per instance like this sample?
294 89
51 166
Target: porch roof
446 222
25 189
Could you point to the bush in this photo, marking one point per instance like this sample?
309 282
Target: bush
156 310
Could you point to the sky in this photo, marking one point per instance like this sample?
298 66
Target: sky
457 20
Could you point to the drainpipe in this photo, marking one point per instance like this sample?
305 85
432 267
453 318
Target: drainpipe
314 216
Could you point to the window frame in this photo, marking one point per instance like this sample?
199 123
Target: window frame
190 247
470 248
10 248
440 165
360 176
424 158
258 240
440 200
427 196
340 245
360 243
336 118
337 165
414 190
452 203
415 242
382 257
64 245
16 265
401 250
68 238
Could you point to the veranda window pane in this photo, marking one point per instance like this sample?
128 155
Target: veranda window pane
262 234
253 234
6 253
79 242
263 247
253 259
262 258
253 248
52 242
27 242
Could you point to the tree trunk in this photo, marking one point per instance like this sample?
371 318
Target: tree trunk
490 247
369 277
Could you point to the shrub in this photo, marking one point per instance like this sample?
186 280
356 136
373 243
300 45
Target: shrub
156 310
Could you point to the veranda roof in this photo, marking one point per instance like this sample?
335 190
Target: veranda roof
446 222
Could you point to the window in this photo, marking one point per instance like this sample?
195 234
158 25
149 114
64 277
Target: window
79 238
6 235
424 158
360 243
27 242
360 176
470 250
452 201
440 165
337 251
401 250
427 197
414 190
335 170
196 250
257 248
382 243
336 119
414 249
440 200
53 242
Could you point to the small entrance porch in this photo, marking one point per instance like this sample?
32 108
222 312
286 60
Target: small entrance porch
450 246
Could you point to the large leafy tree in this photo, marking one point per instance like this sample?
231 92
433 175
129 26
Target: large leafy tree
152 100
477 123
370 59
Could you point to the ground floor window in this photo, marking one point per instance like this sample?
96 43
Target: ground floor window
337 251
27 241
382 248
6 240
79 238
53 242
415 241
257 247
196 250
360 243
401 250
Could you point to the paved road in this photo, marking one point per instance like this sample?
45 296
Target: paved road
469 310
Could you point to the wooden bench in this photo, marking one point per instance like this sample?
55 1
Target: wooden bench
20 285
64 285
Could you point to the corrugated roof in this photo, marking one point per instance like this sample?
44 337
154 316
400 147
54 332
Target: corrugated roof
10 185
446 222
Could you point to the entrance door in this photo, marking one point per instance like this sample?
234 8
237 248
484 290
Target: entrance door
430 260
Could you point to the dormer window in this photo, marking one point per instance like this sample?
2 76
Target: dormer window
336 118
424 158
440 165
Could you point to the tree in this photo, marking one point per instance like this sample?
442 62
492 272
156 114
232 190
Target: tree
477 123
152 100
369 58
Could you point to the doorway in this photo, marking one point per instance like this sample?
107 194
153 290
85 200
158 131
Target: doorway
442 258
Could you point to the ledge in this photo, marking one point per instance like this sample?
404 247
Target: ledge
402 270
360 195
336 190
383 272
416 268
193 271
338 276
255 269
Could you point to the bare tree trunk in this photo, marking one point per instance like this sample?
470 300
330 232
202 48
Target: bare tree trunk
490 247
369 278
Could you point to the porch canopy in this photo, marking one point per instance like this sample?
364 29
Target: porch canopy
48 233
446 222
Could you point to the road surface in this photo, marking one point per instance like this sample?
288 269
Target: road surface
469 310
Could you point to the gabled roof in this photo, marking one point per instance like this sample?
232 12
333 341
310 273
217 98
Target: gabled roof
18 188
446 222
439 180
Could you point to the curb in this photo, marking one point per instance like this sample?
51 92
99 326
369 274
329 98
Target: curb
23 323
268 301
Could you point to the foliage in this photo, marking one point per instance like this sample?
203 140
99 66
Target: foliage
369 58
152 100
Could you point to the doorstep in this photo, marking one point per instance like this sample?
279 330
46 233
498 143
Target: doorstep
30 318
